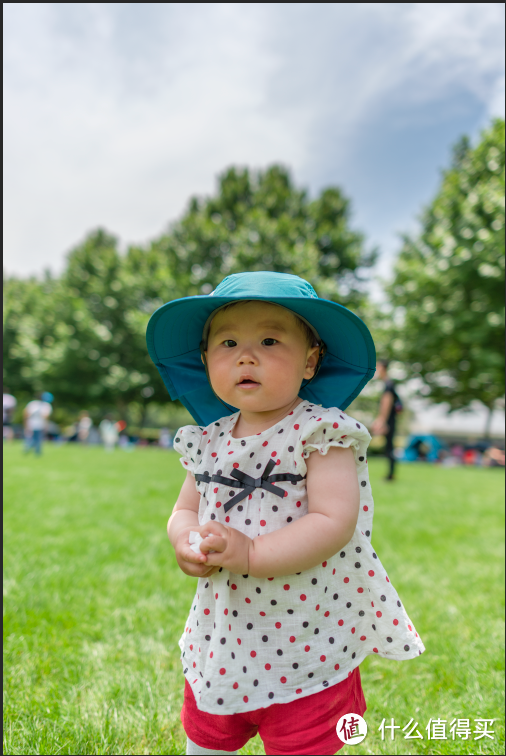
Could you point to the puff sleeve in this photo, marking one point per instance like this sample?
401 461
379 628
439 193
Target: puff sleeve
187 442
332 427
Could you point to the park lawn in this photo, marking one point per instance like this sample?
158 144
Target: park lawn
94 604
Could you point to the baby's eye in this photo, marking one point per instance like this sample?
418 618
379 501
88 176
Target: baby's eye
230 343
269 342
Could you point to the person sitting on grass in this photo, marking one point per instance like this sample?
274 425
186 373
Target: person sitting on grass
275 515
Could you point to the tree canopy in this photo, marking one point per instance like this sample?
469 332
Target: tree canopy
448 287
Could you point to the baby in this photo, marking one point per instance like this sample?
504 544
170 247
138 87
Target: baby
291 596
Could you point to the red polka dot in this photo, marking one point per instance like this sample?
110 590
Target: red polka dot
253 654
322 658
263 523
362 637
206 611
366 508
248 600
296 426
239 641
306 648
225 612
324 564
286 587
215 490
278 462
235 686
227 519
186 463
204 433
372 603
191 647
360 590
298 503
335 425
346 580
336 666
282 679
213 454
267 666
396 621
211 655
236 464
270 578
218 504
292 638
340 623
228 443
371 573
375 650
265 443
353 630
299 690
274 454
378 614
326 614
262 614
302 596
194 665
409 627
334 571
245 699
387 579
278 625
234 587
317 607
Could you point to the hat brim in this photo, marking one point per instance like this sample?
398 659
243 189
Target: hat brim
175 330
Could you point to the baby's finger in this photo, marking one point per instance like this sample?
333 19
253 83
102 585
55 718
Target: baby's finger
213 543
214 528
194 557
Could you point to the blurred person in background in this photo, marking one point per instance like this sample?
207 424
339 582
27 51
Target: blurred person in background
165 440
109 432
390 406
35 417
83 427
10 403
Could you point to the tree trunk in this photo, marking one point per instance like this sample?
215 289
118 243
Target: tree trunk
488 422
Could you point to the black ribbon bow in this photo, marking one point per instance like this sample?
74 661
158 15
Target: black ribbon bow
249 484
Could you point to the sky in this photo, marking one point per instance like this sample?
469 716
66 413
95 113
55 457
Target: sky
116 113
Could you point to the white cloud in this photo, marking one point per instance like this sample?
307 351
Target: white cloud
116 113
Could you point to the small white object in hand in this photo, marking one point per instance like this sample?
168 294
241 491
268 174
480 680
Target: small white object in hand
195 540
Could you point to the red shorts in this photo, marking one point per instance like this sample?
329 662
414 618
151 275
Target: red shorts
304 726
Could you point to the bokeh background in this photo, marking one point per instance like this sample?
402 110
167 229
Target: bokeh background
152 148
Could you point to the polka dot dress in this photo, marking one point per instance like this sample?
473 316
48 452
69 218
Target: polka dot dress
251 642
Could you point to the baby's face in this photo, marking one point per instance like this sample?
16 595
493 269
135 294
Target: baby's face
258 356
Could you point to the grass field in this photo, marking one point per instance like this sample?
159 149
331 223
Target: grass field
94 604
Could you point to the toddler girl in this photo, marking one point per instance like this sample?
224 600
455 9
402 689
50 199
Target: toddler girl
291 595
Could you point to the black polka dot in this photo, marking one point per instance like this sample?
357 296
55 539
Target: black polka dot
232 655
189 447
178 440
389 639
325 591
342 554
290 448
219 472
244 669
331 640
271 695
259 466
288 519
279 652
220 701
406 648
368 533
373 627
383 598
290 611
273 602
348 604
208 684
223 641
235 612
245 576
249 625
208 637
311 674
335 596
252 455
247 522
360 459
363 483
305 624
240 508
399 604
213 516
217 424
345 649
325 683
280 431
265 638
353 655
361 613
374 556
231 493
358 549
206 585
357 565
295 665
243 443
274 508
222 434
258 590
314 581
255 683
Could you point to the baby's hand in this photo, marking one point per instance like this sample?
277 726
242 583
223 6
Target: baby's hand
231 547
189 562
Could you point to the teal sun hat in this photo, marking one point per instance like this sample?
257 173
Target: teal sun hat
175 332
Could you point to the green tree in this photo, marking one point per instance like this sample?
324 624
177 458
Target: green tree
261 221
448 288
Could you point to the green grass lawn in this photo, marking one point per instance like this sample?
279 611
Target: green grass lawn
94 604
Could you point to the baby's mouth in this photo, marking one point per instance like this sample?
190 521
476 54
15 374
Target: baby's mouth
248 382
